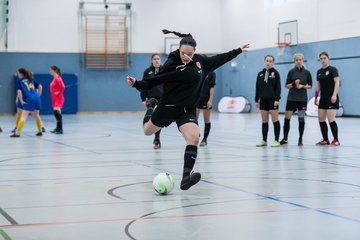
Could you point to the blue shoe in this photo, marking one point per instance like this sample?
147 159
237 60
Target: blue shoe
14 130
43 129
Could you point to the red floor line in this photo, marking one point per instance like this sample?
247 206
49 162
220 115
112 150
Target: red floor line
155 217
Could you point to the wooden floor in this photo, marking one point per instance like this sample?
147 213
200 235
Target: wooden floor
95 182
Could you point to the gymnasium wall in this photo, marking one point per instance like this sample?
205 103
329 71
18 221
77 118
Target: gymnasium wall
256 22
45 33
345 55
54 25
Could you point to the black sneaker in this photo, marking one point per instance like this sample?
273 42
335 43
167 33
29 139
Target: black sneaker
190 180
284 141
39 134
59 131
0 130
151 103
53 131
14 135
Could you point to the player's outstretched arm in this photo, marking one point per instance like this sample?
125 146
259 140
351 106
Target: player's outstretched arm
130 81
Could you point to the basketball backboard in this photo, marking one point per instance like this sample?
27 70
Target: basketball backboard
171 44
288 32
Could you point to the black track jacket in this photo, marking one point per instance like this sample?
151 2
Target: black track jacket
182 83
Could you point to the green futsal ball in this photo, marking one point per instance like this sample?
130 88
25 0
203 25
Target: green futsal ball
163 183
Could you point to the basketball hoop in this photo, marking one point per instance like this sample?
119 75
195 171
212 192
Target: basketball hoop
281 47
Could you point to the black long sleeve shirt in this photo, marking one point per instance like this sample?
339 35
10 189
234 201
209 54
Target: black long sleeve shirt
268 85
182 82
209 82
155 92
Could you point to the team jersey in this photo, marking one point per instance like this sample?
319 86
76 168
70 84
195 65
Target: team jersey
325 76
57 85
268 85
209 82
298 95
27 89
36 84
182 82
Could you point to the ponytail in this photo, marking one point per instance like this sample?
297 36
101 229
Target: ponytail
56 69
26 73
187 39
182 35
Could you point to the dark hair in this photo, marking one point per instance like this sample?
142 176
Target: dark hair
56 69
324 53
187 39
269 55
153 55
26 73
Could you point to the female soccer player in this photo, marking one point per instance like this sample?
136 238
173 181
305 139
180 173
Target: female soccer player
267 97
328 82
298 81
57 89
30 101
205 104
181 74
38 88
155 92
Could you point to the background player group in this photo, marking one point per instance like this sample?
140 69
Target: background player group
28 100
298 81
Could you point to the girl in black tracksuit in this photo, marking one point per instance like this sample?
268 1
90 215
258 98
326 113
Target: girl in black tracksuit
205 104
181 75
155 92
267 97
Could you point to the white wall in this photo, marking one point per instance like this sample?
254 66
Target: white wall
257 21
53 25
202 18
217 25
43 26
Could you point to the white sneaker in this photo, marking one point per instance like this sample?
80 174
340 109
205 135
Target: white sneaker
275 144
262 143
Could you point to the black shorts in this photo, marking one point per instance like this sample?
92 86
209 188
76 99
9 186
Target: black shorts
327 104
268 104
202 104
164 115
293 106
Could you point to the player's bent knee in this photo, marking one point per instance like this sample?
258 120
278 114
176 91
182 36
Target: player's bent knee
147 132
193 139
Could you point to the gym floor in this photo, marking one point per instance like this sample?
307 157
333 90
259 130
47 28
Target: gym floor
95 182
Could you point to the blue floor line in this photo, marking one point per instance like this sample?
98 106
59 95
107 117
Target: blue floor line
283 201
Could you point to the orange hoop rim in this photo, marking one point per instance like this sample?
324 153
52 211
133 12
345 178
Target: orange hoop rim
283 44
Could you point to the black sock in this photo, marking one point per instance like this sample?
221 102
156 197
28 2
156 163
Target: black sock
58 117
324 130
334 130
207 130
157 135
286 128
276 130
301 127
189 159
265 129
148 114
